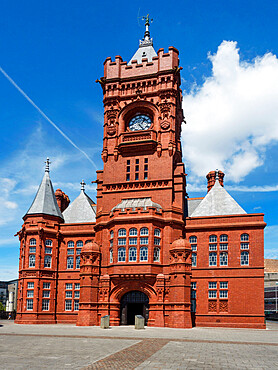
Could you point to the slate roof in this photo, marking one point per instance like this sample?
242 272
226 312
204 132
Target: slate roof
192 204
82 209
217 202
136 203
45 201
144 52
271 265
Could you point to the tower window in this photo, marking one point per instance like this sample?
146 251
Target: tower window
77 262
121 254
48 243
213 259
79 244
213 239
47 261
70 263
133 232
156 254
144 231
111 255
32 241
144 254
132 254
244 258
32 260
194 259
70 244
223 259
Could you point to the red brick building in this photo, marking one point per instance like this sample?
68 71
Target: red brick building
144 247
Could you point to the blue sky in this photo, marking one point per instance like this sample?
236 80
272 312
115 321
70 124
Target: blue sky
54 50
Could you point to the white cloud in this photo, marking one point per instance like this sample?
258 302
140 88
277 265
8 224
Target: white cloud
233 116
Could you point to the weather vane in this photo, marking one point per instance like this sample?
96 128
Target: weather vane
148 20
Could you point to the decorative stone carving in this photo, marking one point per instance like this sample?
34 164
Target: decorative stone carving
165 125
212 306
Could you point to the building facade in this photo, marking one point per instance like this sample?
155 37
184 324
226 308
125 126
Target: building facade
145 247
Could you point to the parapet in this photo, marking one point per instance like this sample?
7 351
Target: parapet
161 62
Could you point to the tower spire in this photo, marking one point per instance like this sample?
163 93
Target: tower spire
147 24
83 185
47 163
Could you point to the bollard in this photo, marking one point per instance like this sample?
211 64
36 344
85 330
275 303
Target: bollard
104 322
139 322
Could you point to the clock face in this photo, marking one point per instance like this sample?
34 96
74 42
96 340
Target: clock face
140 122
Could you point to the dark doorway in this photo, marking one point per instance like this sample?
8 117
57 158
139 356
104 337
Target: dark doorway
134 303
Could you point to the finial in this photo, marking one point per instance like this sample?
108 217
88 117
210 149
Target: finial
82 185
47 163
216 174
147 32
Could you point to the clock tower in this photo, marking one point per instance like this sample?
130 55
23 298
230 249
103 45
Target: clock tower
145 262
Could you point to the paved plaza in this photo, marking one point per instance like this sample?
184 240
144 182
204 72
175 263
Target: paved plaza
71 347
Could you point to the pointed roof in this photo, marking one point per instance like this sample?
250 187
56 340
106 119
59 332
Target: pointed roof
45 201
217 202
82 209
146 49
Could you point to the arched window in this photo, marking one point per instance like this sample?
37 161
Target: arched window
70 244
88 241
157 232
111 255
213 239
70 263
213 259
133 232
48 243
111 234
144 231
193 239
244 237
47 261
121 254
122 232
156 254
194 259
79 244
144 254
244 258
223 259
132 254
32 260
223 238
77 262
32 241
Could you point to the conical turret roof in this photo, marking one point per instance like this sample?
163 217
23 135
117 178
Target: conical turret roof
45 201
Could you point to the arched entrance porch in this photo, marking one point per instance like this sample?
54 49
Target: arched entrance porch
134 303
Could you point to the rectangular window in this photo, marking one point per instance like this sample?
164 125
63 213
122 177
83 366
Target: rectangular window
223 259
127 177
212 284
145 175
29 304
193 285
244 245
213 247
132 241
146 167
68 286
193 294
194 247
146 160
70 251
78 251
223 246
136 176
68 305
223 284
30 293
223 294
45 304
144 240
137 168
30 285
46 293
137 161
122 241
46 285
212 294
76 305
77 294
156 241
128 169
128 162
77 286
32 249
68 294
48 250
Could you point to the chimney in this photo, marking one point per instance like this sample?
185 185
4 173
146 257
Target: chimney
62 199
211 177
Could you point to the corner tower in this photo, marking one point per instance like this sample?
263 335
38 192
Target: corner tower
142 188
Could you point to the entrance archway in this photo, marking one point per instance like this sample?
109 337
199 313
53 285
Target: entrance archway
134 303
